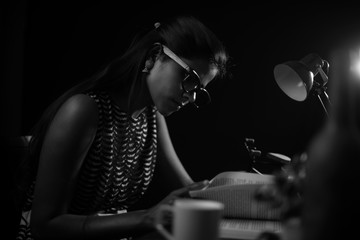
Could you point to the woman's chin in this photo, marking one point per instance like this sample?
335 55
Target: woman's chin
168 111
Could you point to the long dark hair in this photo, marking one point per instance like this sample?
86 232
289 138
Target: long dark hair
185 35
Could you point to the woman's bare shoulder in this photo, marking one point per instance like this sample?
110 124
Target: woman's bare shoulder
79 108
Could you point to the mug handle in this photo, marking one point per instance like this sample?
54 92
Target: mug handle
158 221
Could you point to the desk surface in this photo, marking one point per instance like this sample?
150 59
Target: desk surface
158 236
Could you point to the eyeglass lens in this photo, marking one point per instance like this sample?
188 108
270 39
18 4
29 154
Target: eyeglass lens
192 83
202 97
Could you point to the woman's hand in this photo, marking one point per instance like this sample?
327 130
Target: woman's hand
183 192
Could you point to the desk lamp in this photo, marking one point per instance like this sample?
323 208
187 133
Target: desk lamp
296 78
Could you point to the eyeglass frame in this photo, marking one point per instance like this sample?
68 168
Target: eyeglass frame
189 71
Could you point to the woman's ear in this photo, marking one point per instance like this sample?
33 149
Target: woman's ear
153 54
156 51
149 64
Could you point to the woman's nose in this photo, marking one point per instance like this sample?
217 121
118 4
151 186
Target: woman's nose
189 97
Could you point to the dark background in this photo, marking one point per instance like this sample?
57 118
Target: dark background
50 45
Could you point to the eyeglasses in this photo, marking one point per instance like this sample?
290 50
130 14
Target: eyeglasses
191 82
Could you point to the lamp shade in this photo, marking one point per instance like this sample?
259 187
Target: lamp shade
295 78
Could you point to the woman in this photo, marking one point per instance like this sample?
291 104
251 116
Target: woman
95 149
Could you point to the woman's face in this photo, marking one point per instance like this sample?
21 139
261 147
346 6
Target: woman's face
165 83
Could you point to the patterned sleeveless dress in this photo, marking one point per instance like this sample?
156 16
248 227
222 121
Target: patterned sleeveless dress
119 165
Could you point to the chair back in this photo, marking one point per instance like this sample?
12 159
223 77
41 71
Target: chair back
16 150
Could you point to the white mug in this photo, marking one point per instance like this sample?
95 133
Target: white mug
193 219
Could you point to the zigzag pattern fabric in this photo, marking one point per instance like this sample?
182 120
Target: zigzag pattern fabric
119 166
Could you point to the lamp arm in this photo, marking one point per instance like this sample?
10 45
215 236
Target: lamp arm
322 102
323 76
321 93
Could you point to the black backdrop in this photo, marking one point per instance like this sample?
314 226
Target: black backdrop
50 45
65 41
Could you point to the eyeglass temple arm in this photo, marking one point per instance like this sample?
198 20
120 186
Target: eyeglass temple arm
172 55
